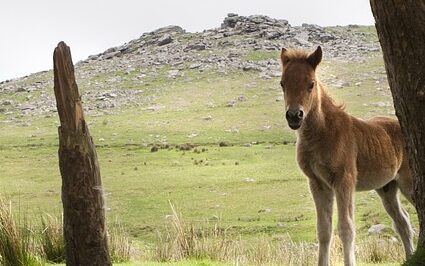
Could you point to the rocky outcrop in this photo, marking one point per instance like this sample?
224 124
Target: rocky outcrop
223 49
248 32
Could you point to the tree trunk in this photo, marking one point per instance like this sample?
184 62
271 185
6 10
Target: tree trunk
401 31
82 196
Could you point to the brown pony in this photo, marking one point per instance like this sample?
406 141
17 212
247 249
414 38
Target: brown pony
340 154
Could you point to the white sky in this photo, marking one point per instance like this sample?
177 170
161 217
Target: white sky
31 29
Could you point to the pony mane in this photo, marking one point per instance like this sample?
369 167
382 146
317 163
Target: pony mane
327 99
296 54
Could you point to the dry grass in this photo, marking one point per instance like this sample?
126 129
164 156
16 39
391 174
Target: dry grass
17 247
120 245
379 250
52 239
184 241
20 245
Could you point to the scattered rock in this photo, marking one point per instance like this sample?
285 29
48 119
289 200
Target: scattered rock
248 218
195 47
241 98
266 210
232 130
172 29
26 106
302 38
186 147
265 75
393 239
111 55
154 108
214 218
250 67
223 144
194 66
207 118
192 135
110 95
376 229
165 39
174 73
231 103
105 76
249 180
379 104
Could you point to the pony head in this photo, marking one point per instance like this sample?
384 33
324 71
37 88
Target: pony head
299 84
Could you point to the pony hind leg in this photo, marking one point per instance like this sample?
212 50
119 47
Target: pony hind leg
405 182
391 202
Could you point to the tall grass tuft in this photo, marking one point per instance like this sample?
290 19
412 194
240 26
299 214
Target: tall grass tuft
52 240
53 243
182 240
20 246
380 250
120 246
16 244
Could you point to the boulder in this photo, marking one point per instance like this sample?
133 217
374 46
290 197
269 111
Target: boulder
376 229
165 39
168 29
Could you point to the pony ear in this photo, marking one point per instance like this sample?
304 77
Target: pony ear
284 56
315 58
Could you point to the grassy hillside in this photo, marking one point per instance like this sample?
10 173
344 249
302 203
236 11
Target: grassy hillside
240 170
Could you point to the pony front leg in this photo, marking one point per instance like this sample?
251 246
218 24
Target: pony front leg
323 199
345 203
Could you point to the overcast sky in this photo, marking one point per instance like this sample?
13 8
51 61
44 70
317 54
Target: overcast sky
30 29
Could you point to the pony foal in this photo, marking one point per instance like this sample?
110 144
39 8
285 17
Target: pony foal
340 154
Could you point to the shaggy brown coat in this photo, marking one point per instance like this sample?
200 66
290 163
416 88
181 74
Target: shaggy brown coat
340 153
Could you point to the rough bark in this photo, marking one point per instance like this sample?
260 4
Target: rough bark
82 197
401 31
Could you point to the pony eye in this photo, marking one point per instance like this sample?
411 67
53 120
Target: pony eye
282 84
311 85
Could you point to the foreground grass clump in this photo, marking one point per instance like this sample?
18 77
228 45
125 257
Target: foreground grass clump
120 246
16 243
52 239
185 241
25 244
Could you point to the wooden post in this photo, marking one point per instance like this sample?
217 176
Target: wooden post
82 195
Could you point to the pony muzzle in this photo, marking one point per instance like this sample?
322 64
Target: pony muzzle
295 118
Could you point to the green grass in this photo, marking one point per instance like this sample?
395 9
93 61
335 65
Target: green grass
261 55
204 186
